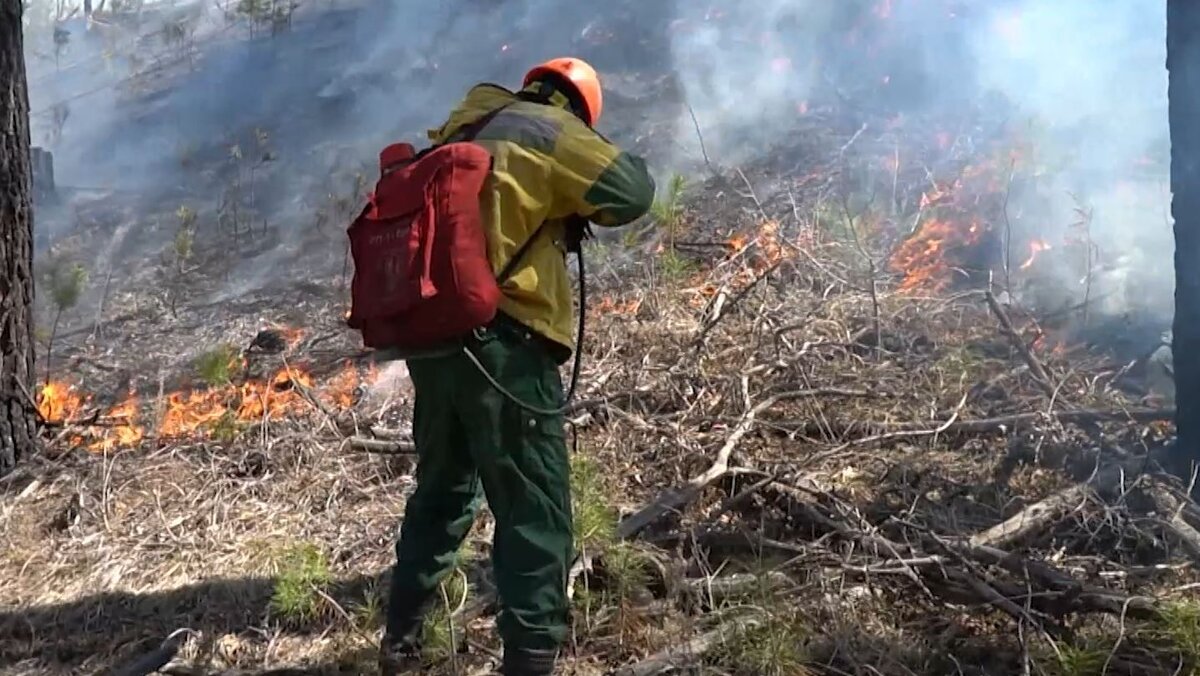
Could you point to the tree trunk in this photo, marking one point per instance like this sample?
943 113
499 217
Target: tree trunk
17 411
1183 65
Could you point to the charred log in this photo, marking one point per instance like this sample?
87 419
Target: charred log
17 412
1183 64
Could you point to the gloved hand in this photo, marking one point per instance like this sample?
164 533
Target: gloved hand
578 229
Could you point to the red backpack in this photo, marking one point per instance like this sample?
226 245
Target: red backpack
422 277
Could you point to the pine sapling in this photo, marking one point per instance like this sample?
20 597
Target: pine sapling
66 287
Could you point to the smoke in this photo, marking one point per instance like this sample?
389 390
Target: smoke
158 116
1092 75
1083 83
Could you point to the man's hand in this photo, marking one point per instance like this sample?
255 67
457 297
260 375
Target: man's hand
577 230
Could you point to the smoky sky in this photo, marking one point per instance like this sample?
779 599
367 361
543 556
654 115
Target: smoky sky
1087 76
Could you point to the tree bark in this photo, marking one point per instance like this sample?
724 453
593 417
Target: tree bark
17 410
1183 65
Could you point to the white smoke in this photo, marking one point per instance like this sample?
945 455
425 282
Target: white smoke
1085 79
1087 76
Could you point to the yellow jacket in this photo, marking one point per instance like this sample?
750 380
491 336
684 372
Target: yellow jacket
548 166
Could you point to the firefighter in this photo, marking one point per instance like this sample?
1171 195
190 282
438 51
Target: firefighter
551 172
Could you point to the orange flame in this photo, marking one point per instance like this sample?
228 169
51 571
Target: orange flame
922 257
340 390
609 306
1036 247
122 435
196 412
58 401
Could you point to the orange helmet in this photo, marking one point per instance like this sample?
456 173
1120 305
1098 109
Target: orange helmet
579 74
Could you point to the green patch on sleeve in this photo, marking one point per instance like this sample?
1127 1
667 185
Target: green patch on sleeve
623 192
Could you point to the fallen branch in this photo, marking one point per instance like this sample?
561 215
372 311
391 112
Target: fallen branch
676 498
1171 510
1035 366
985 425
380 446
686 653
1035 518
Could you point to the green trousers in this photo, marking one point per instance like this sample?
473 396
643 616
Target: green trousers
473 441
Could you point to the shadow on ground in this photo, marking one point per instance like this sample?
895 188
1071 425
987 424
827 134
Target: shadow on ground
98 633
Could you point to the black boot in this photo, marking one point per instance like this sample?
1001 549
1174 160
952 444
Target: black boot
526 662
400 649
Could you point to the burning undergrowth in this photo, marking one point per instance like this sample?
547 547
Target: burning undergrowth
838 428
835 415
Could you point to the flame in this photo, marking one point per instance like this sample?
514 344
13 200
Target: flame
340 390
770 245
122 435
58 401
611 307
737 242
195 413
937 195
922 257
1036 247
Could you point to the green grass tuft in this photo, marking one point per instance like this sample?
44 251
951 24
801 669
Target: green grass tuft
1178 625
773 647
303 572
441 636
226 428
674 266
595 521
216 366
368 614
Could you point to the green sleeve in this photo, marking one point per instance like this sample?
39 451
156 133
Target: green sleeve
623 193
597 180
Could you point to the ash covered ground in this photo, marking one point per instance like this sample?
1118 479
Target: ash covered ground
874 389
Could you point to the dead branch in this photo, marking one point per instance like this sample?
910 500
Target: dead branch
1035 366
700 136
1035 518
721 309
676 498
1171 510
381 446
686 653
987 425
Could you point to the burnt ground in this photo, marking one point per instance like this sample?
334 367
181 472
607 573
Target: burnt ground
804 440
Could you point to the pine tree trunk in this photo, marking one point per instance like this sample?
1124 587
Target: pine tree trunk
17 412
1183 64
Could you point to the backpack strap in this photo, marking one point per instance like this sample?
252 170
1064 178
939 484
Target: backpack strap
511 266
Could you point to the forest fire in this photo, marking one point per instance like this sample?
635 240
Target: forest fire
923 258
193 413
57 401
